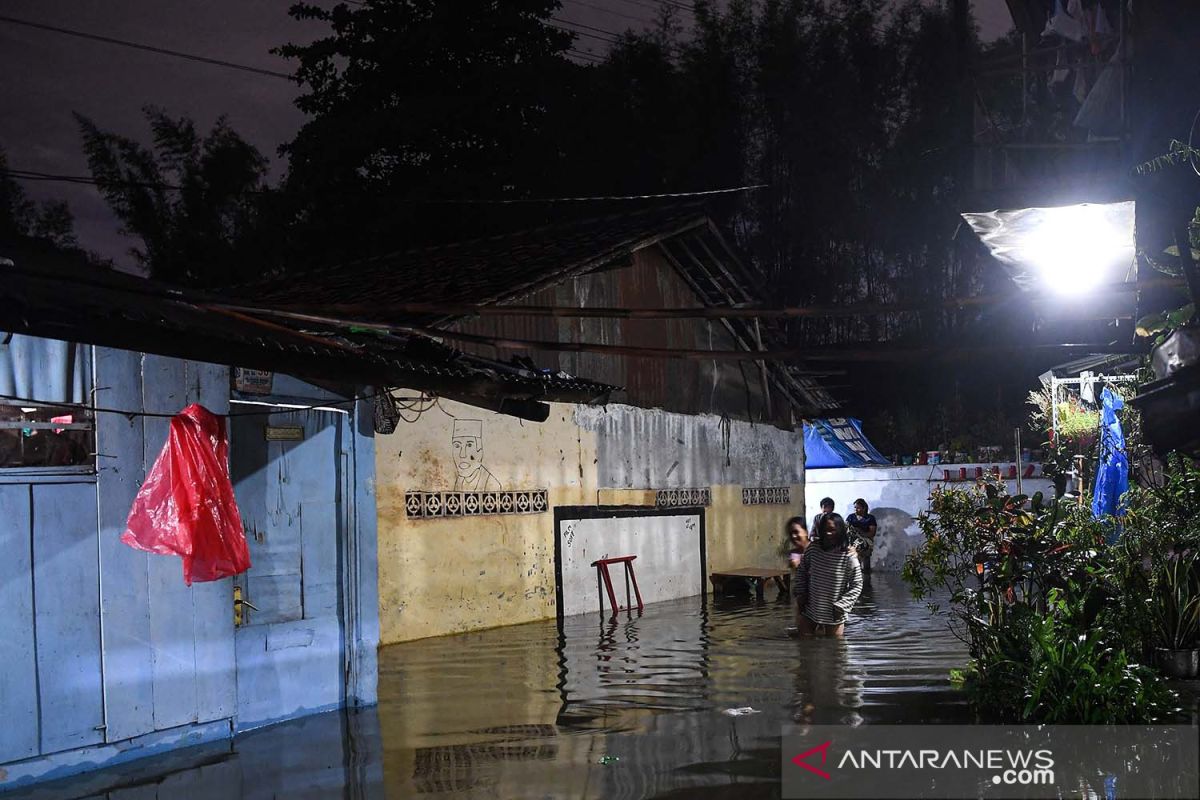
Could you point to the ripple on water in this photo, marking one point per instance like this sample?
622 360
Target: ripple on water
528 711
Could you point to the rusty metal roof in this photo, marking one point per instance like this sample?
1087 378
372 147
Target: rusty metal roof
506 267
485 270
46 292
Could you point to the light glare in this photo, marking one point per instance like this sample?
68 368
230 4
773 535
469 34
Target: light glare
1073 247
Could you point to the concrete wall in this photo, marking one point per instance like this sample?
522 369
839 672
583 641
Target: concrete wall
896 496
452 574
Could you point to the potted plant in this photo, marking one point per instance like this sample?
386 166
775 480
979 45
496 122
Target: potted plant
1176 608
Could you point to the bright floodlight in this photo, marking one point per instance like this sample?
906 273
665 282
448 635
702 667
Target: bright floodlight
1073 247
1066 249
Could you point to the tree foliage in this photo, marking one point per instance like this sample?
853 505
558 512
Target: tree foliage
421 100
194 201
22 217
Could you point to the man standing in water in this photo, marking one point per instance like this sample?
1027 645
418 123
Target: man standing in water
863 528
826 508
828 581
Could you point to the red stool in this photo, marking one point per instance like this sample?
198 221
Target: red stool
602 574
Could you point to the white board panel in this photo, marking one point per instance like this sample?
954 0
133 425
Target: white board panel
669 563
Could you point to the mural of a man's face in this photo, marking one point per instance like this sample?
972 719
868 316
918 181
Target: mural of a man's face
468 454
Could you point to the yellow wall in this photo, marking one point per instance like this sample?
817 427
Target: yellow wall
449 575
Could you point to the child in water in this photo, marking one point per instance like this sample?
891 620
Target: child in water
797 544
828 581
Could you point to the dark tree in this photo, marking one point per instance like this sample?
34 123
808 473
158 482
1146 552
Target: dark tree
20 216
194 201
421 100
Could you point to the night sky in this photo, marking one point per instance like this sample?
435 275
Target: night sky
46 76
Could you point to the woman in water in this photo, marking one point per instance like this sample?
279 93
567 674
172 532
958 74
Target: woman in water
828 581
863 527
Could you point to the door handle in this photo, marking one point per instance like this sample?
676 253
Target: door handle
239 603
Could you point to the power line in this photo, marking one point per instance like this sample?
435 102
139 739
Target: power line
586 4
29 175
652 7
586 56
614 34
145 47
322 406
608 40
86 180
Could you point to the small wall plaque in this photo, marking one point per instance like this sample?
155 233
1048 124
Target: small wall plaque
285 433
252 381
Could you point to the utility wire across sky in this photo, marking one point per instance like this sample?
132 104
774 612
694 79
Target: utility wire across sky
145 47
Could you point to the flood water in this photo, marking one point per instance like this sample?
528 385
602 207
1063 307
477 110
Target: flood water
628 708
525 712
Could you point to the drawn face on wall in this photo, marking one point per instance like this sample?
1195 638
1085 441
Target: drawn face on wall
468 454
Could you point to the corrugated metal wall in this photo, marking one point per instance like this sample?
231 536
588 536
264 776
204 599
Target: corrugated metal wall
728 388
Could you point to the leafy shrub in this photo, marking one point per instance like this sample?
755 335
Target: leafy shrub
1039 599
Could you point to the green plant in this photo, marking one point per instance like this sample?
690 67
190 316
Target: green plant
1159 325
1078 677
1076 424
1039 599
1176 602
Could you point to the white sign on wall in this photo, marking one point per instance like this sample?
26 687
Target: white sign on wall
668 545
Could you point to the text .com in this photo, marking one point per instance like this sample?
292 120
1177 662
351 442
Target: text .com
1024 777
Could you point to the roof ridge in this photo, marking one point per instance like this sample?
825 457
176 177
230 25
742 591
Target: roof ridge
464 243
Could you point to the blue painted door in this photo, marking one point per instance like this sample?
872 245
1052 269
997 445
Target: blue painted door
51 697
289 647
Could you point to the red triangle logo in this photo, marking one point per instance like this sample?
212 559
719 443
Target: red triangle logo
823 749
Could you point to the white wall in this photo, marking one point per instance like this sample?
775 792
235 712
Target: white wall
896 496
668 564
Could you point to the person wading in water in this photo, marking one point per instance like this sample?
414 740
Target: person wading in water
797 543
828 581
814 532
863 527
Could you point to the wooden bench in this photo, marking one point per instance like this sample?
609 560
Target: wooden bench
756 575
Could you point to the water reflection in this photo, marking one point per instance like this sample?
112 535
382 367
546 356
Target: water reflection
634 707
627 708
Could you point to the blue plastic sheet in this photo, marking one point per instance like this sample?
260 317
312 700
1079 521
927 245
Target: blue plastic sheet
838 442
1112 472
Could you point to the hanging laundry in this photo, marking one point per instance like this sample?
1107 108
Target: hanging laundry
1112 473
1066 24
1100 113
186 506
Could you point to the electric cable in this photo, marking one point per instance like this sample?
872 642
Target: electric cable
582 33
14 400
146 47
609 11
616 36
30 175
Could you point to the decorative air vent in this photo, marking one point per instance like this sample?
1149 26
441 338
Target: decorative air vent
683 498
427 505
767 496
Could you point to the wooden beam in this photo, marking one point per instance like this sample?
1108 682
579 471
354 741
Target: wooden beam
394 311
798 354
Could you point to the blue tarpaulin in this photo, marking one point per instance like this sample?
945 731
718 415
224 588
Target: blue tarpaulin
1112 472
838 442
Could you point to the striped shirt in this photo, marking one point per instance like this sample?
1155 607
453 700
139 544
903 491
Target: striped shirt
831 580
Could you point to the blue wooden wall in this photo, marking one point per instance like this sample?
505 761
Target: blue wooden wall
103 644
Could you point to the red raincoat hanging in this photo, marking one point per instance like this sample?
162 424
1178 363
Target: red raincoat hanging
186 506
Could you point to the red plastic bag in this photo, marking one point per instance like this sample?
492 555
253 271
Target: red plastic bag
186 506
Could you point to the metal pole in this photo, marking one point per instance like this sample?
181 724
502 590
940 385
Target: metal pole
1054 410
1020 463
